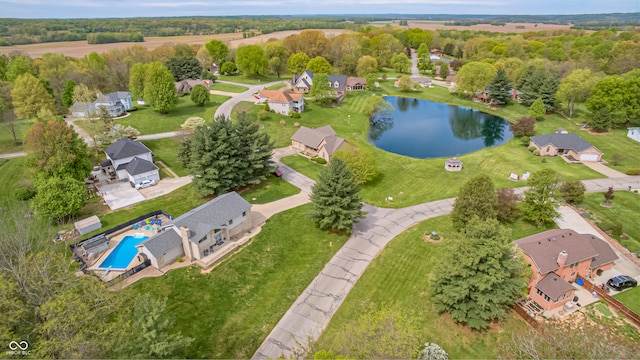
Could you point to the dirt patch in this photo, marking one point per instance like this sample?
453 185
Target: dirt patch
428 238
82 48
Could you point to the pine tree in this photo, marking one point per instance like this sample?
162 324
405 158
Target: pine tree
537 110
500 88
335 198
255 148
477 278
476 197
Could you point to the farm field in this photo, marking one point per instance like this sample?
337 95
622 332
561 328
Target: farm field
507 28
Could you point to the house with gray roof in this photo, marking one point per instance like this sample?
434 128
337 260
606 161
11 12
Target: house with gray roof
570 145
303 83
200 232
116 103
129 160
557 257
322 141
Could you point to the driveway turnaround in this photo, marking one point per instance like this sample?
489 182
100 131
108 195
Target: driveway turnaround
227 106
120 195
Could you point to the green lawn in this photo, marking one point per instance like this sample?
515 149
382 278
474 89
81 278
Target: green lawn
13 174
228 87
630 298
251 80
625 210
271 189
402 275
411 181
276 86
304 165
165 150
149 121
7 144
230 311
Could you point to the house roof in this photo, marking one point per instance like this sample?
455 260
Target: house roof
313 137
162 242
333 144
113 97
81 106
125 148
190 83
106 163
562 141
138 166
553 286
543 248
453 161
605 255
214 214
279 96
356 80
341 79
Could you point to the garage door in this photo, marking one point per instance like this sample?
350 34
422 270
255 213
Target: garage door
589 157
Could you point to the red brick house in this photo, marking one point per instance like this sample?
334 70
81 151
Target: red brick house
557 257
565 144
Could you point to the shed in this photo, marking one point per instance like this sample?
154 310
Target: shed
88 225
453 164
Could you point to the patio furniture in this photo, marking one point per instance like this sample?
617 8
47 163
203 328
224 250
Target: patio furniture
159 222
134 226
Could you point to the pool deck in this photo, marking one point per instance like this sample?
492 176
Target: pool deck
114 240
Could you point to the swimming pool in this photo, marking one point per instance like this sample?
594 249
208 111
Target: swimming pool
123 253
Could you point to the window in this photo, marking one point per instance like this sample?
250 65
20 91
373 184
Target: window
539 292
548 148
574 265
230 221
244 213
547 298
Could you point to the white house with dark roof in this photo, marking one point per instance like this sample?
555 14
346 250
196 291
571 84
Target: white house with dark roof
322 141
565 144
129 160
117 103
199 233
303 83
282 101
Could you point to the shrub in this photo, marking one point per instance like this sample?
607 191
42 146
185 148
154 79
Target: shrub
266 106
525 140
25 194
319 160
616 159
532 148
295 115
263 115
536 152
633 171
524 126
180 259
616 230
508 209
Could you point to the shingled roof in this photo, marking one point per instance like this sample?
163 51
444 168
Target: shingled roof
562 141
138 166
313 137
553 286
164 241
125 148
279 96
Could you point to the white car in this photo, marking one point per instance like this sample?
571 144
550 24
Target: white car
145 184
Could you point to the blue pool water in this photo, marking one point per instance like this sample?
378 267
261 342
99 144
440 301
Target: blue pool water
123 253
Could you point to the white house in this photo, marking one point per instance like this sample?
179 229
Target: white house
200 232
129 160
634 133
117 103
282 101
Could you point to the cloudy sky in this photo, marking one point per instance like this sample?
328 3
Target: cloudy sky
135 8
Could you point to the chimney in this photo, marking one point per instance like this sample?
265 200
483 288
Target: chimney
185 234
562 258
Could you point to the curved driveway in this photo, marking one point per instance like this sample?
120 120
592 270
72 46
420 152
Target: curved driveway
227 106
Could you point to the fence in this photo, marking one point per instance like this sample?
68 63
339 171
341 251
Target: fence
524 315
611 300
129 272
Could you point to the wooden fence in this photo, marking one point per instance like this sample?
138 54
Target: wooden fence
524 315
611 300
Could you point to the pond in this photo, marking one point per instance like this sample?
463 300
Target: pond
425 129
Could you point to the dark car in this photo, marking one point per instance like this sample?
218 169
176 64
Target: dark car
622 282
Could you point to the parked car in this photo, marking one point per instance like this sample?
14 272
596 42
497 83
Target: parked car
622 282
277 173
145 184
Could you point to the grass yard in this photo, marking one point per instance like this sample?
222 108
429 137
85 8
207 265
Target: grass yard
625 210
230 311
251 80
149 121
304 165
630 298
7 144
402 275
166 150
228 87
410 181
276 86
13 174
271 189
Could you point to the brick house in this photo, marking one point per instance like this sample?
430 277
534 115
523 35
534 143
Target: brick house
557 257
321 142
565 144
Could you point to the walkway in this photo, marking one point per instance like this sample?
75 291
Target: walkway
80 131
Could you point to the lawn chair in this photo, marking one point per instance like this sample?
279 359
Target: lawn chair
153 221
159 222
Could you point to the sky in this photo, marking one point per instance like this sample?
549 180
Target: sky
166 8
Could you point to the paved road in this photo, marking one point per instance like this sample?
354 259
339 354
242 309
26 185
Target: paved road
13 155
227 106
415 72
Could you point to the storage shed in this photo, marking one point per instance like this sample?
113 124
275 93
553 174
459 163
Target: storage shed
88 225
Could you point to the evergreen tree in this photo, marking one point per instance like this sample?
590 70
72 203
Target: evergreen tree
335 198
321 90
537 110
572 191
500 88
601 120
541 84
67 93
184 68
477 278
540 200
255 149
476 197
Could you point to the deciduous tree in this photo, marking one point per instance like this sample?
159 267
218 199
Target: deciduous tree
540 200
507 206
524 126
480 275
251 60
228 68
297 63
67 93
477 197
405 84
335 198
572 191
474 76
360 161
319 65
30 96
217 50
159 88
366 65
59 197
137 77
322 91
576 87
401 62
200 95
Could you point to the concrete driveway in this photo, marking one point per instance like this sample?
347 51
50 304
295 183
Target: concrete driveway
603 169
120 195
165 186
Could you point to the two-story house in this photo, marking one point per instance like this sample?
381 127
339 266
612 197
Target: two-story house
129 160
117 103
321 142
557 257
282 101
200 232
303 83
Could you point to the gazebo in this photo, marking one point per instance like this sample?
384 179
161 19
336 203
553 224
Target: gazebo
453 164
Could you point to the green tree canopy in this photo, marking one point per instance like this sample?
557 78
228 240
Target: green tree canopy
360 161
601 121
159 88
477 278
572 191
366 65
297 63
19 65
576 87
619 95
184 68
251 60
321 90
540 200
200 95
401 62
477 197
228 68
539 84
319 65
335 198
217 50
137 76
537 110
59 197
500 88
30 96
67 93
474 76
